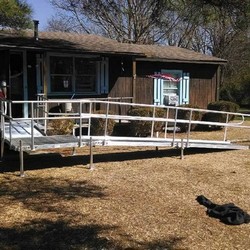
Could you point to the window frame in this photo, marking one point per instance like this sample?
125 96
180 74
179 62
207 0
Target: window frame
182 90
74 75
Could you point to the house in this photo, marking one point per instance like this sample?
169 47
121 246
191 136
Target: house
67 65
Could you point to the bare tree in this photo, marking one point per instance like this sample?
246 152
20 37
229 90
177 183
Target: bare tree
63 24
202 25
133 21
208 26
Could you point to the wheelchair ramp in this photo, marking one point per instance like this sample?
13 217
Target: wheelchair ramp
23 134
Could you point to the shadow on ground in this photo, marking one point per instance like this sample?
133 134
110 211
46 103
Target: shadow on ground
64 226
11 163
60 235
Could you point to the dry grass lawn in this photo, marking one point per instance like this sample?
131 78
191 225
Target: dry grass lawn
136 198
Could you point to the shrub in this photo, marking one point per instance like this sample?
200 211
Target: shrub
143 128
98 124
185 115
220 106
61 127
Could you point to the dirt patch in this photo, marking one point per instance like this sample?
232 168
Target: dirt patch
136 198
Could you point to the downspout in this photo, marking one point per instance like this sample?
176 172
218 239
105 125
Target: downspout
45 73
218 82
134 81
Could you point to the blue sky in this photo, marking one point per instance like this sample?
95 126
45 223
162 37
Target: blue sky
42 11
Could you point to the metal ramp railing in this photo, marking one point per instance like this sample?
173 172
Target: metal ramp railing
84 113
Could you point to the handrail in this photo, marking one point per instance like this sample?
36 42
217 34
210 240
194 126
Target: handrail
89 114
89 100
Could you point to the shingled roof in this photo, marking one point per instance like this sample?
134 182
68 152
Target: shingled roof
89 43
176 54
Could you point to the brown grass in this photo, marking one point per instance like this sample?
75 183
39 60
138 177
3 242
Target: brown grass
136 198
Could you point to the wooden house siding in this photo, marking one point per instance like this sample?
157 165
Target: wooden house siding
121 88
201 92
203 87
144 90
203 81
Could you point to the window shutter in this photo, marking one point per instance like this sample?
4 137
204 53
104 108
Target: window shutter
158 91
184 89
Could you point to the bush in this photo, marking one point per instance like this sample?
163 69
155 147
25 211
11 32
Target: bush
143 128
185 115
61 127
98 124
220 106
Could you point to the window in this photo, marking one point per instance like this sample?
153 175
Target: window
61 74
173 91
170 87
170 92
85 75
79 75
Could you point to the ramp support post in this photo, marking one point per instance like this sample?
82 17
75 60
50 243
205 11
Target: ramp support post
182 149
74 151
21 158
2 145
91 164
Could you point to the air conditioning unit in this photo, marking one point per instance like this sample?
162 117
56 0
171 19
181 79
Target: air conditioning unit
171 99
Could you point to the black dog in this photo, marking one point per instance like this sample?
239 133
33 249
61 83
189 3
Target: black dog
227 213
55 109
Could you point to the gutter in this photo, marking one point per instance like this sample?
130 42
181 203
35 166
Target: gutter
196 61
44 49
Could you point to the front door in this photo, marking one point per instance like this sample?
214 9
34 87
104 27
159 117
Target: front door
16 90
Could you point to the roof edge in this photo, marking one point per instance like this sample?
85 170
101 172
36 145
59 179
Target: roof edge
218 62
